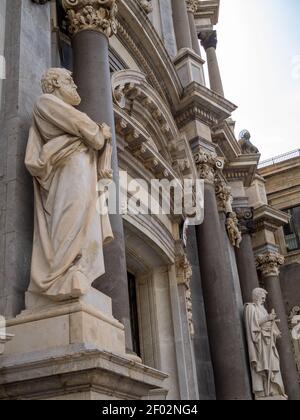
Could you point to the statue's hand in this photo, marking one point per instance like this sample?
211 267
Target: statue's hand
106 130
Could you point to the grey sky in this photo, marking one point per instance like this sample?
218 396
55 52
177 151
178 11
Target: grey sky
259 57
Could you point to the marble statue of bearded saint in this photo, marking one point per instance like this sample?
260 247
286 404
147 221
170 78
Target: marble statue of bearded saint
67 154
262 334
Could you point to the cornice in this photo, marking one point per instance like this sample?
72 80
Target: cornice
224 137
266 217
243 168
208 9
199 102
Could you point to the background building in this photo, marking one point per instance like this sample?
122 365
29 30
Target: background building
175 329
282 177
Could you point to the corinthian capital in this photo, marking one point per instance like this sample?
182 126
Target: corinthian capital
269 264
192 5
207 165
245 218
96 15
208 39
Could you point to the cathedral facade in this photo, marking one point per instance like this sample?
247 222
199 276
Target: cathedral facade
166 320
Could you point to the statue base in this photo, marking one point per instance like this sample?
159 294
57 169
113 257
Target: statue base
46 324
73 350
274 398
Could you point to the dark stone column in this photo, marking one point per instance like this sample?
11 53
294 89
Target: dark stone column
181 24
203 361
209 42
92 75
226 344
269 264
245 256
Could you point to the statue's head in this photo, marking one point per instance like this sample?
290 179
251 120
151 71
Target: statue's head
259 296
59 82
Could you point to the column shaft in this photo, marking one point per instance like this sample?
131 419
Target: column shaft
246 267
226 344
92 75
194 36
181 24
214 71
287 358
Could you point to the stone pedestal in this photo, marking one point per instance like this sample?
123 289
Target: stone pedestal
189 66
87 320
277 398
73 350
78 372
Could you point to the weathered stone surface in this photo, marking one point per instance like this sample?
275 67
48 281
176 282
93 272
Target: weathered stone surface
78 372
28 43
204 367
86 320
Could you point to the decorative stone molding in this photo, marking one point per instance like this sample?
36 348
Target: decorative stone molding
184 274
207 165
269 264
146 5
97 15
184 270
245 218
223 195
192 6
208 39
232 226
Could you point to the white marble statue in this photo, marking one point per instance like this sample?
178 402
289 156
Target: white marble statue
262 334
67 153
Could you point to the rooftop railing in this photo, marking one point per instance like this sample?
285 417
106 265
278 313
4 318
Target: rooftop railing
279 159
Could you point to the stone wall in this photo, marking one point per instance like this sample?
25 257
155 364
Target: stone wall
27 53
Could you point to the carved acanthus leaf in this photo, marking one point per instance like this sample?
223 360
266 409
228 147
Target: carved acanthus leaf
269 264
94 15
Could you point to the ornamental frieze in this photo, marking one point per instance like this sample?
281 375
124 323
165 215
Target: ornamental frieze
97 15
192 5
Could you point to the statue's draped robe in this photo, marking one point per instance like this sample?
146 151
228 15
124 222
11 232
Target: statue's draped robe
263 360
63 156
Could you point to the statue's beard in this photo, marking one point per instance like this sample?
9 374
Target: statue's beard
71 96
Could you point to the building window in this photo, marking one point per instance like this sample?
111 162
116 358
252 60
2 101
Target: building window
134 314
292 230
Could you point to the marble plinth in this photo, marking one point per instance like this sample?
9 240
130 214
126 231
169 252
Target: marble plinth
46 325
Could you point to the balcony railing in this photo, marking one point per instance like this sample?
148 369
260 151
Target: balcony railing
279 159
